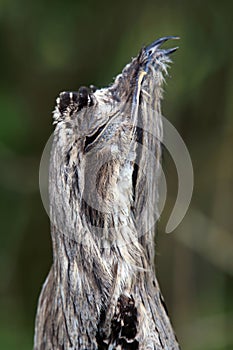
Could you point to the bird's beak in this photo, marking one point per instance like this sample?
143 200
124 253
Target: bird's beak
156 45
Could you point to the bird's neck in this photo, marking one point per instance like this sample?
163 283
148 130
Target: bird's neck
97 245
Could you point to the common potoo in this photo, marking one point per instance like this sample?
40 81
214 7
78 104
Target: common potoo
102 291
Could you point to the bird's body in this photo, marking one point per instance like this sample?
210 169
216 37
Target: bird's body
102 292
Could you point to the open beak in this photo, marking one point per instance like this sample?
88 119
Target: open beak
156 45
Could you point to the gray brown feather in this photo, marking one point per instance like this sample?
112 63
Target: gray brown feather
102 292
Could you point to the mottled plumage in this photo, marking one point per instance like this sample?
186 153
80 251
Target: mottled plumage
102 292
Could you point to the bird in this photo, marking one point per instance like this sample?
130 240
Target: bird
102 291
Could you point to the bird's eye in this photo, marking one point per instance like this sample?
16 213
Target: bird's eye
90 139
150 52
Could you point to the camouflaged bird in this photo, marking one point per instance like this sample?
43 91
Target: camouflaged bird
102 291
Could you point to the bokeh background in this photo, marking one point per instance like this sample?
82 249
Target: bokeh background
51 46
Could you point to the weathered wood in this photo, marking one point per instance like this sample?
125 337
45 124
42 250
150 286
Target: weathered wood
102 291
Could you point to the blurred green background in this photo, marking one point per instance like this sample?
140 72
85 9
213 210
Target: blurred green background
51 46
